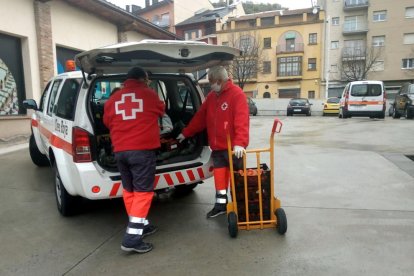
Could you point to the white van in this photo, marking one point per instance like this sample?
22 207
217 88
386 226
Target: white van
363 99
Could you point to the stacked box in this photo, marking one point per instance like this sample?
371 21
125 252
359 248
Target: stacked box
253 193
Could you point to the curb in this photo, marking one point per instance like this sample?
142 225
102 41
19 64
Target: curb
13 148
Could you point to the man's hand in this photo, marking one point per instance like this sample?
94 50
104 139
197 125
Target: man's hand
180 138
238 151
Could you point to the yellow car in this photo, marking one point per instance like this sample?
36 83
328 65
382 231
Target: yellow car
331 106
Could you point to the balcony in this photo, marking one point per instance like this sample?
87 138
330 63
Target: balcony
354 53
350 5
355 27
289 48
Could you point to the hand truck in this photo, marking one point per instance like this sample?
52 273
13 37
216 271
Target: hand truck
252 192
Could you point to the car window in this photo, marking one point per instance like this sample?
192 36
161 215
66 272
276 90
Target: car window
42 100
67 98
52 98
333 100
298 101
411 89
362 90
104 89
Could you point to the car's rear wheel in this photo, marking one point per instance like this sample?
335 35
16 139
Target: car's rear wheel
382 115
395 114
38 158
67 204
308 114
408 114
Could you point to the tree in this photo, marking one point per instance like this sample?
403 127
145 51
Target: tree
250 62
357 62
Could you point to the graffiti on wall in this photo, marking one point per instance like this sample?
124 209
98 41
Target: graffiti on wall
9 104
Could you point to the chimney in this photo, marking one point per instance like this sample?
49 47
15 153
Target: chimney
154 2
127 8
147 3
135 8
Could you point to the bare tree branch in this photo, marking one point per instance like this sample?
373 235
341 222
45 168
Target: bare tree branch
250 62
357 62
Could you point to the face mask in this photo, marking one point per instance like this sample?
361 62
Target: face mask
216 87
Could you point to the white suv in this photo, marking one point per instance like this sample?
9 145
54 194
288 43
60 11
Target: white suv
69 135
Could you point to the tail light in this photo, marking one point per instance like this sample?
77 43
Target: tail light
81 146
346 99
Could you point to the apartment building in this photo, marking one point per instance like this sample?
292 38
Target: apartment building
372 35
167 13
289 47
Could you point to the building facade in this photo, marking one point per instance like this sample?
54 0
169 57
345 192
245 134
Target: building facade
38 36
377 34
289 47
168 13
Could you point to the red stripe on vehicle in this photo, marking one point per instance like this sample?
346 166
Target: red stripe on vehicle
180 177
45 131
168 179
157 178
200 172
35 123
191 175
115 189
61 144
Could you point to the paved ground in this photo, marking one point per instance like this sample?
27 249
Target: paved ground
346 187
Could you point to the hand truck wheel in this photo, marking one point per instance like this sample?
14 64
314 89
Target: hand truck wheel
281 225
233 229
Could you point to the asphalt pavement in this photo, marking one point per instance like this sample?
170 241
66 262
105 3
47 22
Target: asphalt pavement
347 188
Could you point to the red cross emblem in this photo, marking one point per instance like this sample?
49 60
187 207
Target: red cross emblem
129 106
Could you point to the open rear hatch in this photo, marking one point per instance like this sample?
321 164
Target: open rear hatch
109 65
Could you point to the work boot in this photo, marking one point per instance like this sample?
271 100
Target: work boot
149 230
218 209
135 243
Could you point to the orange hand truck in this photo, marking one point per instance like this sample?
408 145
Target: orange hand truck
252 192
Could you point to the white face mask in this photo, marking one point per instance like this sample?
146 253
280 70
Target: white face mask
216 87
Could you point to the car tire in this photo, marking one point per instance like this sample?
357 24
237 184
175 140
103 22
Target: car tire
309 114
183 190
67 204
395 114
232 220
382 115
288 114
281 225
38 158
409 115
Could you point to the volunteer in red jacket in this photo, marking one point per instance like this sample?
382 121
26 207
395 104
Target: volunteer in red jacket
225 104
132 114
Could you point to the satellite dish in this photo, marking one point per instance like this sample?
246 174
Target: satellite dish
315 10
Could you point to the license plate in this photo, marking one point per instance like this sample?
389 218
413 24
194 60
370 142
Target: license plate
297 110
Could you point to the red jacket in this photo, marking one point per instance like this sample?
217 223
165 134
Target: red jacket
131 114
229 106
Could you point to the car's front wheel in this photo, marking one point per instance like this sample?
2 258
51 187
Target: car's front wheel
38 158
408 114
67 204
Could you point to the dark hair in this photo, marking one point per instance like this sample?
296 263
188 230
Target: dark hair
136 73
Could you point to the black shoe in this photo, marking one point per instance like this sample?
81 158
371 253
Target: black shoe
149 230
216 211
142 247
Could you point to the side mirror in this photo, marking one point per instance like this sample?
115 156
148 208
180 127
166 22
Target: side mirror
30 104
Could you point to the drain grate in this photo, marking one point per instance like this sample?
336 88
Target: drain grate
410 157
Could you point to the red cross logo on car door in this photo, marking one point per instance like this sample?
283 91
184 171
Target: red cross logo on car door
129 106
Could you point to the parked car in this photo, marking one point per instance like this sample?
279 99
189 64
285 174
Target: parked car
68 131
252 106
299 106
363 99
331 106
404 102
